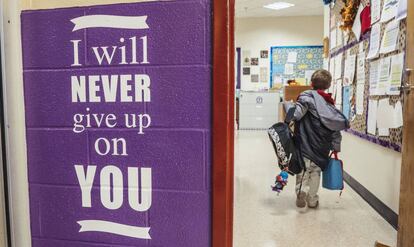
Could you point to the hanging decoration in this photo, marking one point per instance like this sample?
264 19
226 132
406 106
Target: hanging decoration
349 13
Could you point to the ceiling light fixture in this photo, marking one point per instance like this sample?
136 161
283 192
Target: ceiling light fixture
278 5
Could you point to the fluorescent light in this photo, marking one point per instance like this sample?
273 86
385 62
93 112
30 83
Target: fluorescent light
278 5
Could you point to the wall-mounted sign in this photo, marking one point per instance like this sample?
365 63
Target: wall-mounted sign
118 106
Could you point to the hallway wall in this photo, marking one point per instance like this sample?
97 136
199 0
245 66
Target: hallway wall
377 168
256 34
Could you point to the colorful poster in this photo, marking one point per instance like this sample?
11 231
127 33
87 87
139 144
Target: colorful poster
307 58
119 124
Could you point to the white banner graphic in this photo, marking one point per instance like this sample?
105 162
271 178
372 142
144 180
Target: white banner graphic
114 228
110 21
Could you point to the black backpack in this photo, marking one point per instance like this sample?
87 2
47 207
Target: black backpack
287 145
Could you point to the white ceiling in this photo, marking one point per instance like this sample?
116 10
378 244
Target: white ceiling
254 8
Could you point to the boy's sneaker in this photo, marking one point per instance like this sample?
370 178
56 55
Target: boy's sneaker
301 200
314 206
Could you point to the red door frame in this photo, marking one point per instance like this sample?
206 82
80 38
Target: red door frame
223 122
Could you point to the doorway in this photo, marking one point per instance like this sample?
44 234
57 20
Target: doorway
277 44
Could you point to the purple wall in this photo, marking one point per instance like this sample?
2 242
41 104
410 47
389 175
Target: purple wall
174 139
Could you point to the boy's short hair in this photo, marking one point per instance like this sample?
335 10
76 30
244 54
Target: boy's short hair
321 79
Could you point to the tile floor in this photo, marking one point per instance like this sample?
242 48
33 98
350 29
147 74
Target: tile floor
263 219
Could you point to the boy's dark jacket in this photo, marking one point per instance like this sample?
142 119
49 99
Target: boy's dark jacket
318 126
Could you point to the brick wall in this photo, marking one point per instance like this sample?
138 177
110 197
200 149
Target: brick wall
176 144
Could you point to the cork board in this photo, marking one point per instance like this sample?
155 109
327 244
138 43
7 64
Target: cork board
359 122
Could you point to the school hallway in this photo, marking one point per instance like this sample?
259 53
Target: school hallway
263 219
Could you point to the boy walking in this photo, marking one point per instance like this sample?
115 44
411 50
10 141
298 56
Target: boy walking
317 125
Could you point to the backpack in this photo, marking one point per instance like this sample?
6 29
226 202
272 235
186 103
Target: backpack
287 146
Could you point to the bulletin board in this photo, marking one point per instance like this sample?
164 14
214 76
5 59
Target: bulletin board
308 58
352 47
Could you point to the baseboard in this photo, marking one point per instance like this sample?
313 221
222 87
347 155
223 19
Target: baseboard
387 213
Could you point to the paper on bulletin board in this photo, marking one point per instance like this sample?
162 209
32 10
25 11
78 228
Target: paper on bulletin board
301 81
388 116
361 48
389 10
338 94
361 68
397 67
346 104
374 77
390 39
383 132
292 57
255 70
384 114
372 117
375 11
384 76
349 73
356 27
398 115
333 21
374 41
332 68
338 66
402 10
333 39
264 74
359 101
339 37
246 57
360 87
308 75
289 69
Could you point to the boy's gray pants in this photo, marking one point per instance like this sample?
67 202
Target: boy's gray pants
311 182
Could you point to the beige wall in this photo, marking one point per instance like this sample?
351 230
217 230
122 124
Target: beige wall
377 168
256 34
